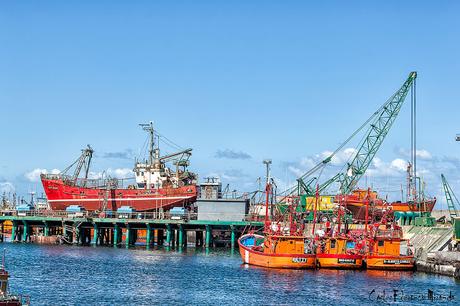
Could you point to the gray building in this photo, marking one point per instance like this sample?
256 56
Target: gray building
222 209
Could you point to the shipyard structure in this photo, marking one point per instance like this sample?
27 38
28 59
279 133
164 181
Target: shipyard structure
164 204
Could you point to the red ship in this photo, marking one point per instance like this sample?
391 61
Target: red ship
416 201
156 186
357 201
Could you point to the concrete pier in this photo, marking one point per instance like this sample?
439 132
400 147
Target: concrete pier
444 263
113 231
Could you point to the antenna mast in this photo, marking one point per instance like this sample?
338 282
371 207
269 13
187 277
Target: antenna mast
148 127
267 163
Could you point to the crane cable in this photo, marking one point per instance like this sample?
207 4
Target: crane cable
324 162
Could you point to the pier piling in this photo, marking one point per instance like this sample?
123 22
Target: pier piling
208 236
95 234
94 230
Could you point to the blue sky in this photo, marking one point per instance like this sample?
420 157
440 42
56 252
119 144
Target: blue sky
286 80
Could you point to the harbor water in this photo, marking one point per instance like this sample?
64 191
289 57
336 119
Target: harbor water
65 275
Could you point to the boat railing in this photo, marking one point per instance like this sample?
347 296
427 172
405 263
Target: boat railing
92 183
389 234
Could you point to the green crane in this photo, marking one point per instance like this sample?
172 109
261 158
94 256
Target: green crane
380 124
450 197
377 133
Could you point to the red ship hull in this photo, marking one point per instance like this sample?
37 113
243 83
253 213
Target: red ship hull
359 209
357 205
61 195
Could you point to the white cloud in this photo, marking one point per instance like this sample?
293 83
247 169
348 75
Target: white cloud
423 154
308 162
340 157
34 175
296 171
122 172
399 164
380 168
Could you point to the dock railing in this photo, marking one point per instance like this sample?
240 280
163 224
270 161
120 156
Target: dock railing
187 216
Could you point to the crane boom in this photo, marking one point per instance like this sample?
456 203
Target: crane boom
84 161
168 157
377 133
450 197
379 125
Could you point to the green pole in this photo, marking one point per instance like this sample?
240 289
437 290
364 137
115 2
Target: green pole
25 233
95 234
148 236
116 232
13 231
168 235
181 235
46 230
76 238
127 237
208 236
233 237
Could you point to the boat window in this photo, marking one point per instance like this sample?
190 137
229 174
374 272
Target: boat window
380 243
332 243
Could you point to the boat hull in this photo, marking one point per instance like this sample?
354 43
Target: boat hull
339 261
282 261
60 196
358 209
386 262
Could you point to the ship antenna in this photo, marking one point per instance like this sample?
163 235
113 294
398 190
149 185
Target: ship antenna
267 163
149 128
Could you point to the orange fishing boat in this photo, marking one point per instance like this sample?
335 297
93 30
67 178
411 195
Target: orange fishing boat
281 246
338 253
272 251
386 248
337 249
389 254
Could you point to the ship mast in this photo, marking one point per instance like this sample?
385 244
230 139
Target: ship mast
148 127
267 163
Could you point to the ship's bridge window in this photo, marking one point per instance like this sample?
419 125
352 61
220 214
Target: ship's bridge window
380 243
333 244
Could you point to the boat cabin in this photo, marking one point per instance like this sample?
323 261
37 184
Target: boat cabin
392 247
287 245
337 245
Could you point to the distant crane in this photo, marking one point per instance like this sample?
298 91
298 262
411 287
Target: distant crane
450 197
